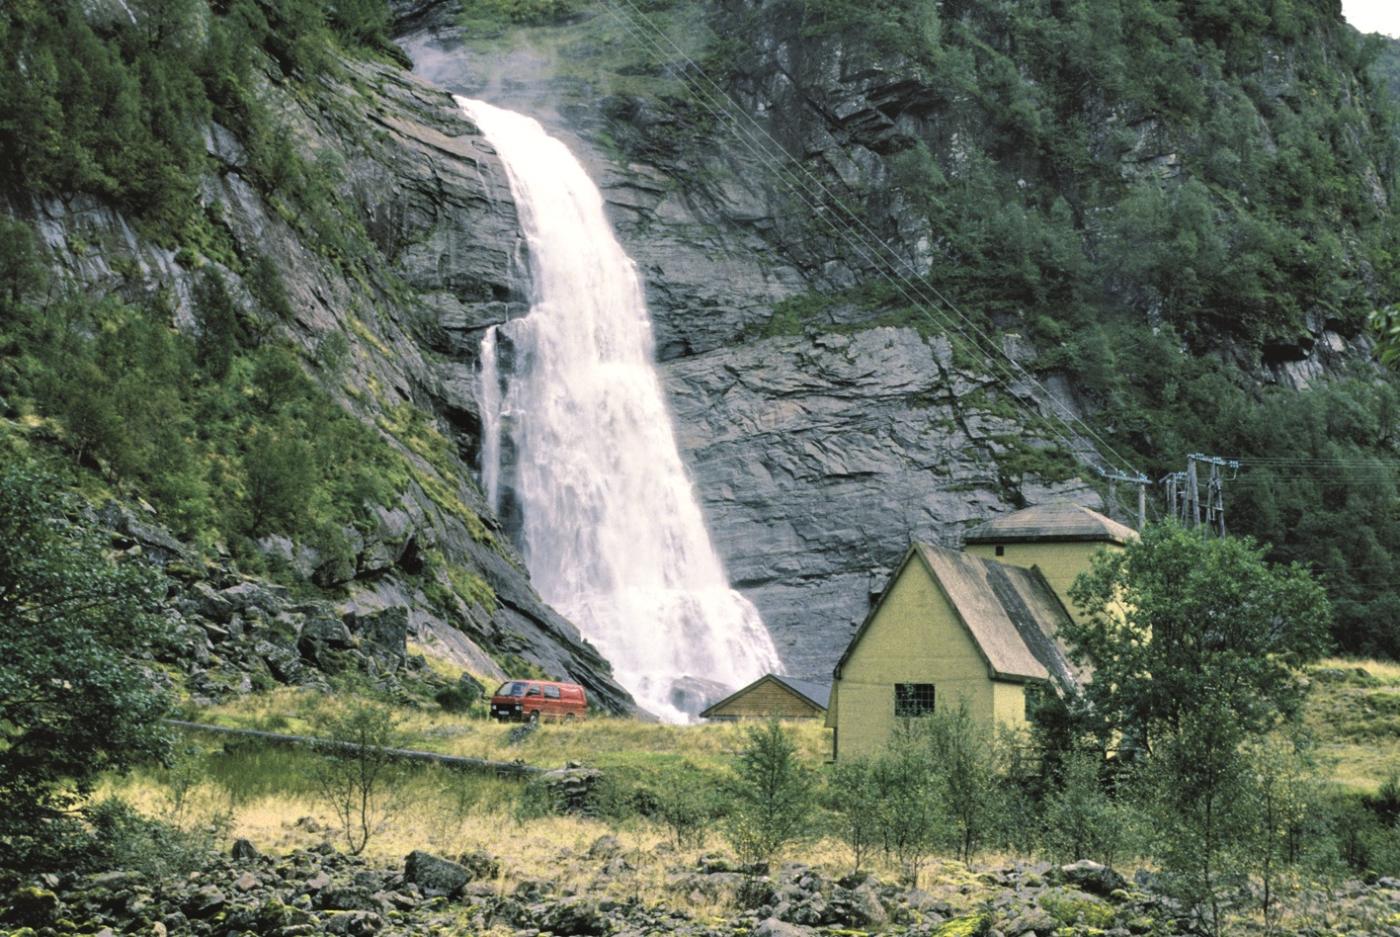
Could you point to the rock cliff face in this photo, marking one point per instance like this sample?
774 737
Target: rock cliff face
821 444
818 457
433 200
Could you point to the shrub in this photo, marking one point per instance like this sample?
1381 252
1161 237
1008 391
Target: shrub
357 775
76 699
770 795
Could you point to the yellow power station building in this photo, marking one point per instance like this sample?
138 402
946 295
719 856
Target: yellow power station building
978 625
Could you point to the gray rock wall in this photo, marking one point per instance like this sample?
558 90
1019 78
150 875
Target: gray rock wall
817 457
433 199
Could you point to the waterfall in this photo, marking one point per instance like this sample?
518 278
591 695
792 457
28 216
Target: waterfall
611 529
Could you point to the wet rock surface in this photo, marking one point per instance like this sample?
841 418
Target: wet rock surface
817 456
820 454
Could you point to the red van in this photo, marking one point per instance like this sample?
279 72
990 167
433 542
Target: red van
535 700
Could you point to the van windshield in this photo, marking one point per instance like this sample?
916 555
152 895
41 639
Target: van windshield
511 689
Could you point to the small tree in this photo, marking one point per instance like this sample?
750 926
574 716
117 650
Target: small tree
964 757
1283 794
685 805
912 798
75 699
1081 821
771 796
1196 789
356 777
853 796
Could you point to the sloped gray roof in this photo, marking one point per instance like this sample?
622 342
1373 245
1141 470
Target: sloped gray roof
1061 520
818 694
1011 613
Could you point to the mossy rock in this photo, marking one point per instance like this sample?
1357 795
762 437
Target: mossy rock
1078 909
964 926
32 906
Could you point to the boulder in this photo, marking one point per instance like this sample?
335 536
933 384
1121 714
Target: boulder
346 898
859 907
435 875
243 850
32 906
383 633
605 847
1090 876
321 637
772 927
480 864
205 902
273 915
571 788
575 917
1030 920
353 923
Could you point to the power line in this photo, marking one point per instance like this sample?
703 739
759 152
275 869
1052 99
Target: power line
925 297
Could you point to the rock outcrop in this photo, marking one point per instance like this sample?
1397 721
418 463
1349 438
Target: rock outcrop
817 456
434 203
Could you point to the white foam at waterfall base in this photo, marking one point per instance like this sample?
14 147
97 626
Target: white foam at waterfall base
612 530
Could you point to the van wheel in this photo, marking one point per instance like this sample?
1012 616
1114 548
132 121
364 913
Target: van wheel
568 717
534 717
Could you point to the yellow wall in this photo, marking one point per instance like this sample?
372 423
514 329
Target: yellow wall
768 700
915 637
1010 703
1059 562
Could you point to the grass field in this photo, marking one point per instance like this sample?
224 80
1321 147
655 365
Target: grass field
608 742
269 794
1353 715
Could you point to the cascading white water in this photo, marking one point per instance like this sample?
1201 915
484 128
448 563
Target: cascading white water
612 530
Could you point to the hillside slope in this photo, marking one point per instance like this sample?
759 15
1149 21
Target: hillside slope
248 259
1175 223
300 422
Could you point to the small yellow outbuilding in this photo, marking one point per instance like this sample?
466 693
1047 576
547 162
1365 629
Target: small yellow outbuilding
976 626
772 696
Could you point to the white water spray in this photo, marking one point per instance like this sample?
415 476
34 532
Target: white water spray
613 533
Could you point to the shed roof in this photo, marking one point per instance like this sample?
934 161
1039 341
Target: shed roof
818 694
1061 520
1011 613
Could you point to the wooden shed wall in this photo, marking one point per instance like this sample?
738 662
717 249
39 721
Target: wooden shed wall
765 701
915 637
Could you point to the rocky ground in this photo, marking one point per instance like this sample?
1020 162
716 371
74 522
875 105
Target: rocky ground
323 891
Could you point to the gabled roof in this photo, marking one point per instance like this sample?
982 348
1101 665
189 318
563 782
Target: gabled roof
818 694
1011 614
1061 520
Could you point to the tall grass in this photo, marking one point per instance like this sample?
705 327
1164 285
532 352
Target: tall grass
600 740
1353 715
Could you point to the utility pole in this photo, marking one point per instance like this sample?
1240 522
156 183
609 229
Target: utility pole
1215 488
1193 491
1176 495
1137 478
1184 500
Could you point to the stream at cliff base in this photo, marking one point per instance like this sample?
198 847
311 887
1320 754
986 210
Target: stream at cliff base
576 431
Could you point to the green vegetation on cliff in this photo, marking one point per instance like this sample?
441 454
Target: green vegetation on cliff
224 432
1177 202
218 422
